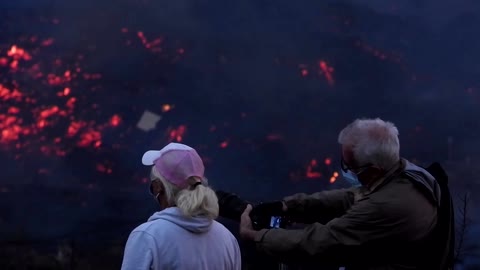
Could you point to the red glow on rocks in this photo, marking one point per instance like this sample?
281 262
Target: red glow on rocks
311 173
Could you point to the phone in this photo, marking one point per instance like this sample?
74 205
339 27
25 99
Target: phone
275 222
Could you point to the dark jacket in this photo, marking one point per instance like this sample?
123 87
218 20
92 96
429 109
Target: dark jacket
385 227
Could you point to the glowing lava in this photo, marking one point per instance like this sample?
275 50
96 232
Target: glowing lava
38 110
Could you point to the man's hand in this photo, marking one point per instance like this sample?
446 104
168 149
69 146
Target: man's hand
246 228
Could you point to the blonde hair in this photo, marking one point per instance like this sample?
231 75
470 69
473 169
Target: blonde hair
192 201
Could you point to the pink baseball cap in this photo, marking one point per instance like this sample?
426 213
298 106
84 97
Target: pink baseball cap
176 162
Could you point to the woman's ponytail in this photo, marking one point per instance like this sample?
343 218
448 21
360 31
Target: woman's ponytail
199 200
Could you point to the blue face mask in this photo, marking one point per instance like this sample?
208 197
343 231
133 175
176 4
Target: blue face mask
351 178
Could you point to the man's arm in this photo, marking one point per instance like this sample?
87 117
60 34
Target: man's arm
321 206
367 228
138 254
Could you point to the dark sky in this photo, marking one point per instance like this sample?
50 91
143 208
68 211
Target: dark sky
260 87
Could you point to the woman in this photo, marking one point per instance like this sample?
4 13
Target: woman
184 234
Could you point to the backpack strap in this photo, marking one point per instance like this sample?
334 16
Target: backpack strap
444 234
440 243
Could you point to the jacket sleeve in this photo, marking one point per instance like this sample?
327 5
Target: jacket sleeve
321 206
362 230
138 252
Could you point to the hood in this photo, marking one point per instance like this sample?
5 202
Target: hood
191 224
425 179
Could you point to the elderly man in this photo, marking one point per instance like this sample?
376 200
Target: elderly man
386 221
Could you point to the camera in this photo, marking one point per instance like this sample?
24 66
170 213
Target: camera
264 215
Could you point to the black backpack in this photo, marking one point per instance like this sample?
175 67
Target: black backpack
442 240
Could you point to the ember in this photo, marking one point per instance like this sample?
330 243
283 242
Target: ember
327 71
311 170
176 134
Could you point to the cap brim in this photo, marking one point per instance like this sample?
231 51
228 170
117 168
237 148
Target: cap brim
149 157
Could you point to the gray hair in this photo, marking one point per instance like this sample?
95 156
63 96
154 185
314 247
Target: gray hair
199 201
373 141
